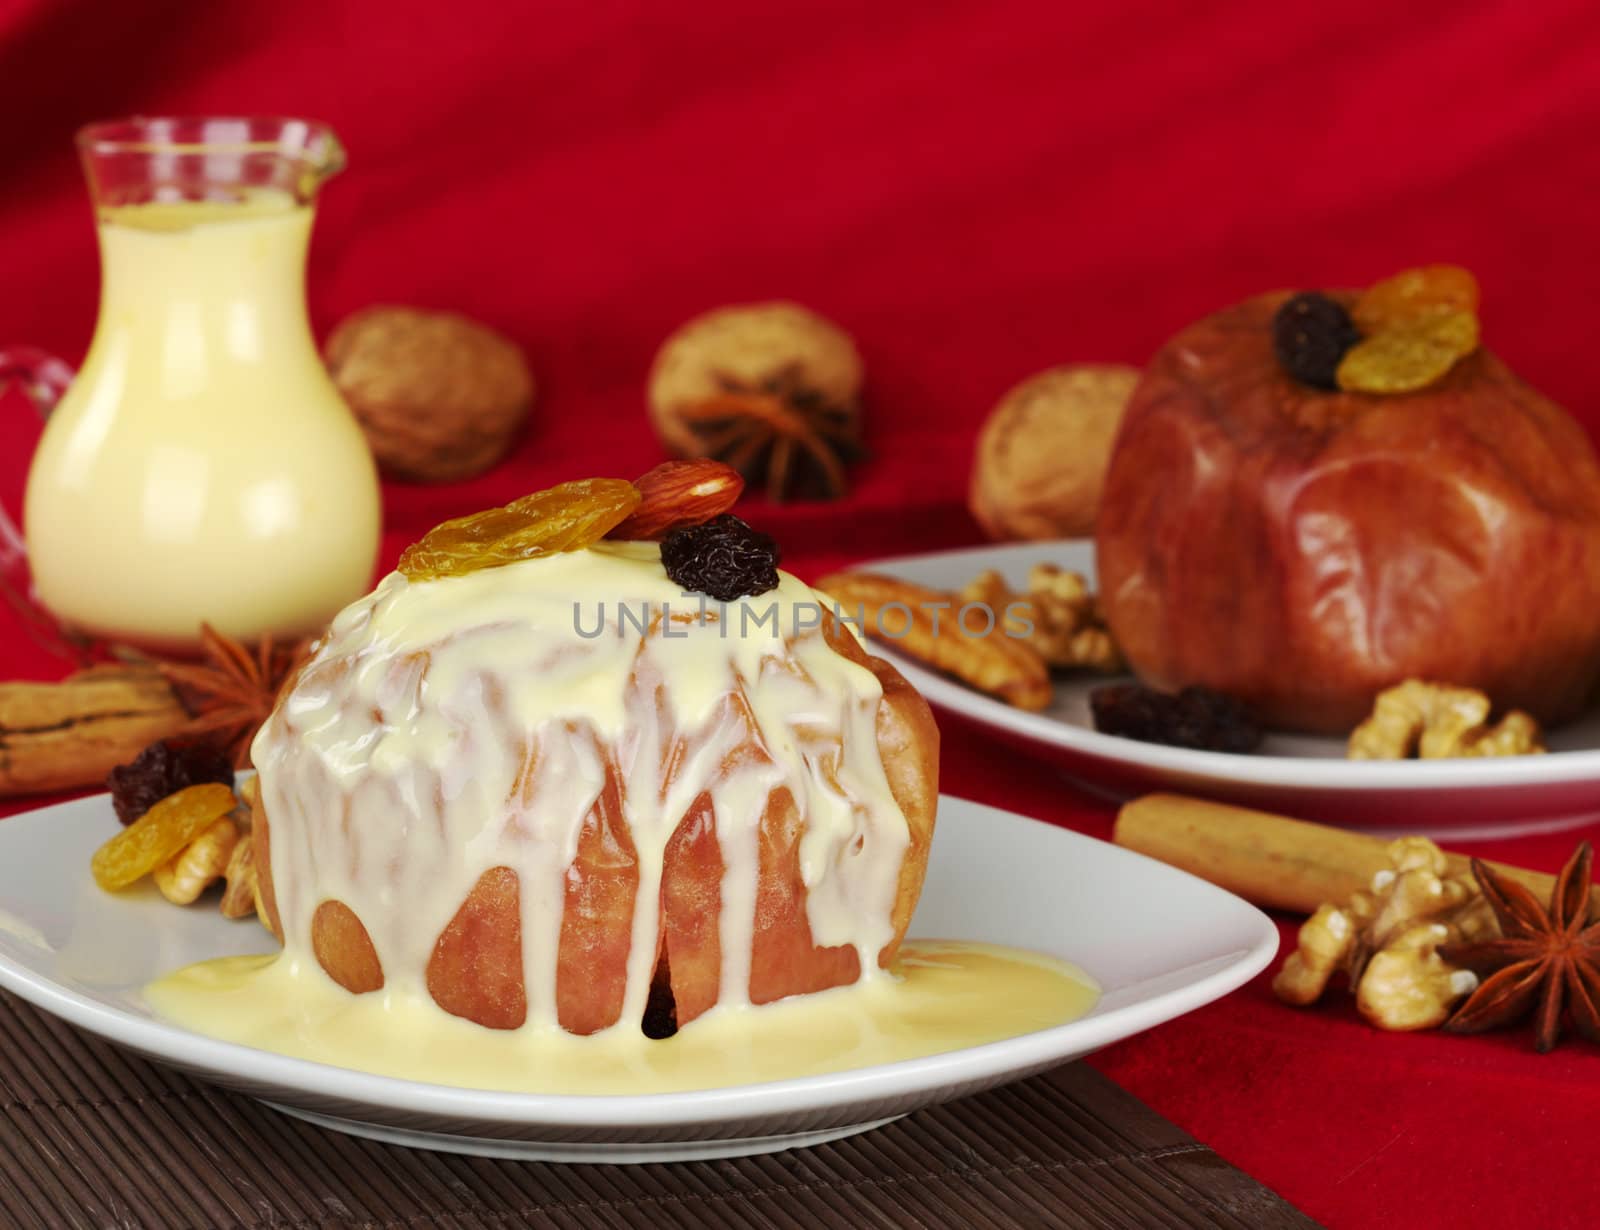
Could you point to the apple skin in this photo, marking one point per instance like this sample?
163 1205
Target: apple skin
1301 550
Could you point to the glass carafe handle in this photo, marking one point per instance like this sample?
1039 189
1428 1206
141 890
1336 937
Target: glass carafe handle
42 378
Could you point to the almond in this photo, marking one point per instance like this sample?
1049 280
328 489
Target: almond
680 493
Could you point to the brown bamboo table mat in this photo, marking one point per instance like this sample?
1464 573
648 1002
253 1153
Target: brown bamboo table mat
92 1136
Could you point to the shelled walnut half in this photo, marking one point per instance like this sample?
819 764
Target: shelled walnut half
1056 614
1387 940
1435 720
192 870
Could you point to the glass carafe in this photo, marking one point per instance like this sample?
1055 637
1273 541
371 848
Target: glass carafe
201 465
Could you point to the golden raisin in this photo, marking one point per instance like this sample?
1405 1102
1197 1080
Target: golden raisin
563 518
1410 297
160 833
1404 360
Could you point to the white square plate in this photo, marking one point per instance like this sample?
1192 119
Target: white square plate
1303 775
1159 943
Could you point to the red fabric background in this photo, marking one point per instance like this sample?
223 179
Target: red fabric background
976 191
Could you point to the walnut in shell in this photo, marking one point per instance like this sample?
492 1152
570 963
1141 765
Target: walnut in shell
1043 452
772 389
438 395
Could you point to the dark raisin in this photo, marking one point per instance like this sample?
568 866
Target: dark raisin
723 558
1310 334
660 1008
161 769
1196 717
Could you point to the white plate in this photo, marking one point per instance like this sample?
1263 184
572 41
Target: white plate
1159 942
1303 775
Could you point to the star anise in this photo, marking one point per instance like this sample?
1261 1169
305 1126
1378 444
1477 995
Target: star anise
1544 959
780 432
231 693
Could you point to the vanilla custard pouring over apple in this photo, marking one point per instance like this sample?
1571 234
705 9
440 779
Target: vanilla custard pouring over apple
491 783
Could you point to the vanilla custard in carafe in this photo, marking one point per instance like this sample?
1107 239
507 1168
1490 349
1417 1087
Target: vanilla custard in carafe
202 466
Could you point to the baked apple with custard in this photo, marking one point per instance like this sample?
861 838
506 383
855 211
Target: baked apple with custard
532 780
1315 497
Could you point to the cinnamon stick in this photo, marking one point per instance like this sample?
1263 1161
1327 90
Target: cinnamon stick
1274 861
60 736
